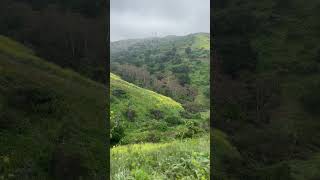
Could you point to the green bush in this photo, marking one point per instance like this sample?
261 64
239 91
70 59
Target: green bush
33 100
162 126
173 120
156 114
117 133
189 115
153 137
119 93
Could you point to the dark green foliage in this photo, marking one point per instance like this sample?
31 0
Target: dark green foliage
311 98
34 100
188 50
161 125
117 133
182 68
183 78
153 137
119 93
172 66
67 166
265 90
172 120
156 114
193 107
130 114
190 115
75 37
52 119
192 129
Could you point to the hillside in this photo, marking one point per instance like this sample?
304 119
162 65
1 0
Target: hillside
146 116
160 108
51 119
175 66
267 85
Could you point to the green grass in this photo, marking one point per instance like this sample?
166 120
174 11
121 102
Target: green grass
142 102
187 159
45 110
145 99
201 41
306 169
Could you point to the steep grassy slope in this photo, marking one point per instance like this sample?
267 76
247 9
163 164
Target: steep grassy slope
52 124
142 115
142 99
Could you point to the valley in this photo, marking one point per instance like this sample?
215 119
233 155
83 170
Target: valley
160 108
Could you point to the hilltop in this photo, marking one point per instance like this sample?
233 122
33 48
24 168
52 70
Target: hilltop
51 119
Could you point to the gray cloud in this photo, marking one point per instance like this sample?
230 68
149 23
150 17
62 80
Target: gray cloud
143 18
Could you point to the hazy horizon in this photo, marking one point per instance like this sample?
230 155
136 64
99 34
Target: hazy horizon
141 19
147 37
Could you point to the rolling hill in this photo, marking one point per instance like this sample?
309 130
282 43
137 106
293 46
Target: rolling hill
52 123
146 116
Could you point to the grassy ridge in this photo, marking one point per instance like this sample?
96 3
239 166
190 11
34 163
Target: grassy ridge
144 99
51 118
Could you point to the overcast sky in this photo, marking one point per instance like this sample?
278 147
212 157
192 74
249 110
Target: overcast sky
143 18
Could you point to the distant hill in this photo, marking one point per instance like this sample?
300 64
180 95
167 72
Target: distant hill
51 119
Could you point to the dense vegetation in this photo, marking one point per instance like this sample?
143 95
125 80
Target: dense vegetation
52 123
188 159
69 33
160 129
266 85
175 66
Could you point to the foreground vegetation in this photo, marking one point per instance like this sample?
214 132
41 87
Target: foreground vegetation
186 159
51 119
267 83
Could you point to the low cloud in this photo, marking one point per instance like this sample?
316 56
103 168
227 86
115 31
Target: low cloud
145 18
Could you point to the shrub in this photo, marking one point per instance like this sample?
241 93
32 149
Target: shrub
30 99
188 115
117 133
192 128
173 120
162 126
119 93
156 114
181 69
153 137
130 114
183 78
193 107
